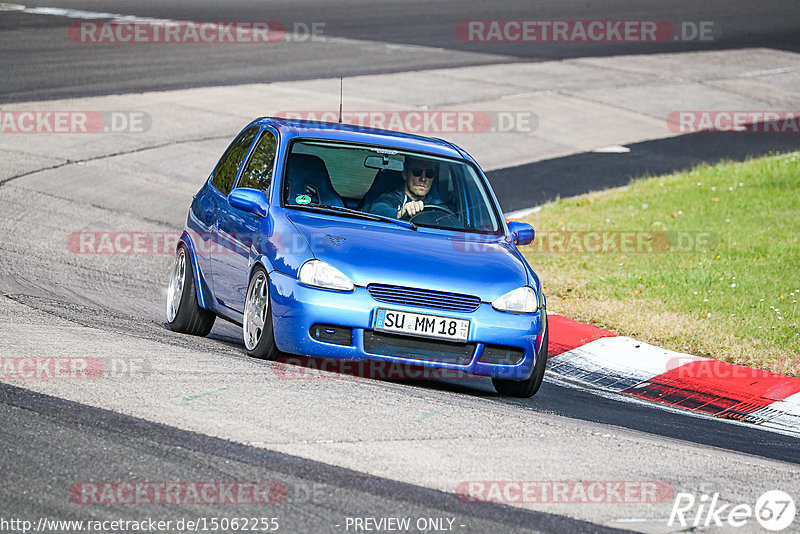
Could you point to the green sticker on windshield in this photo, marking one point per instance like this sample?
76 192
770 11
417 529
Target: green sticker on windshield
303 199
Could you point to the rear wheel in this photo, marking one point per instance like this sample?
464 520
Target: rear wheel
259 338
526 388
184 314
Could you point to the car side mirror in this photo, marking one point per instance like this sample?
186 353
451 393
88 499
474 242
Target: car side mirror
523 233
249 200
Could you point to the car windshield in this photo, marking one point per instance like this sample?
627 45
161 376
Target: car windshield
429 191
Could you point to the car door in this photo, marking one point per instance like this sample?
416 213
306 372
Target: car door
215 201
237 229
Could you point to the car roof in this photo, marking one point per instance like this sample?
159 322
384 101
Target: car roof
361 134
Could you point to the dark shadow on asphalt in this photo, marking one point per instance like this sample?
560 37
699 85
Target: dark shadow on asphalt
536 183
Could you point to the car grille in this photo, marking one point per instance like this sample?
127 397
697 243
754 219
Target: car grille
424 298
414 348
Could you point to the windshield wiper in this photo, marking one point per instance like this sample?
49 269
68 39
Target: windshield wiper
358 214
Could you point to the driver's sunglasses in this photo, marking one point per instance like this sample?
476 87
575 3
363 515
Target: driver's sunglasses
429 173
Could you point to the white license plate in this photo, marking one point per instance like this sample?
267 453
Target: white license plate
422 325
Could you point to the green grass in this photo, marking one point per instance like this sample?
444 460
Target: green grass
733 297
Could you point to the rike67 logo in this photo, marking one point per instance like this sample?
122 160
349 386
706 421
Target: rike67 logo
774 510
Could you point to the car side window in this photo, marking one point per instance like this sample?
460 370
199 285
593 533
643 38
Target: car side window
258 173
228 167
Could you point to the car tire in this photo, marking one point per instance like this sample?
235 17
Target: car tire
526 388
257 328
184 314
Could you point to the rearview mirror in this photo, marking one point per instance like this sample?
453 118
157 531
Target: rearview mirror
523 232
249 200
383 162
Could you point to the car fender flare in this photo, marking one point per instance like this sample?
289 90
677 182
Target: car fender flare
200 285
263 262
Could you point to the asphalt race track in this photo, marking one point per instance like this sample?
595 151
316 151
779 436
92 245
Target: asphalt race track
198 410
79 71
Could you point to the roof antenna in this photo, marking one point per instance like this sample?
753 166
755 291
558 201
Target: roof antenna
341 82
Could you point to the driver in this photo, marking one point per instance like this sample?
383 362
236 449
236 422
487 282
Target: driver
410 198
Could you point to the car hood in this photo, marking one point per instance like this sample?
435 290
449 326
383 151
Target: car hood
378 252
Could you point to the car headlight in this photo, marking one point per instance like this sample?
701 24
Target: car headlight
521 300
317 273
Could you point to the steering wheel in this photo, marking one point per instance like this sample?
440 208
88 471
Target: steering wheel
438 216
427 207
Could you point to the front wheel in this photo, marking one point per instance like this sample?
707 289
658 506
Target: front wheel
184 314
526 388
259 338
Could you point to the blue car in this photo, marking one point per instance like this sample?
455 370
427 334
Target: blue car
335 241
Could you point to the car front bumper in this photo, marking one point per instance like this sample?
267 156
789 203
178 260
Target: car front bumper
297 308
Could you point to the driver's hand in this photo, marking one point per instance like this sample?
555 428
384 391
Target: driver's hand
411 208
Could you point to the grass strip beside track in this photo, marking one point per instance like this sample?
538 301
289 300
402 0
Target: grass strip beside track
705 261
